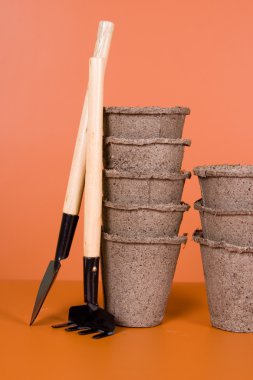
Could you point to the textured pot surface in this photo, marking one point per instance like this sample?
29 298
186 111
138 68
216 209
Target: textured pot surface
137 276
229 186
144 189
144 122
144 155
229 284
142 220
233 227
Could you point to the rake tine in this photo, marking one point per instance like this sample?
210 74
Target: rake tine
60 325
102 335
73 328
87 331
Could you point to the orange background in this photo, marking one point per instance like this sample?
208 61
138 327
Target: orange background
196 53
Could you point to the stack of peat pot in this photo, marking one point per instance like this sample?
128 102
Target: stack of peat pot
226 213
142 210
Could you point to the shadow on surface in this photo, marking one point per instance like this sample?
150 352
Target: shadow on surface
13 318
187 300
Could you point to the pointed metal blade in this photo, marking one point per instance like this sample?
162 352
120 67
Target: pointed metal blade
45 285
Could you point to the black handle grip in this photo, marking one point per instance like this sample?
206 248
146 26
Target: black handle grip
91 271
66 234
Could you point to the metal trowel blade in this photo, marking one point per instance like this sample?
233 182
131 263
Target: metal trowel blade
45 285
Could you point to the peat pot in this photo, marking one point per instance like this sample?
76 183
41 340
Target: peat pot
233 227
144 156
144 122
226 186
137 277
228 274
142 220
142 189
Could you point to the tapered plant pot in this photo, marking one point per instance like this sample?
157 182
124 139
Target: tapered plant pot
228 186
137 276
144 189
233 227
228 274
144 122
144 155
142 220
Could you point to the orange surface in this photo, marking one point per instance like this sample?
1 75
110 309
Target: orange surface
196 53
185 346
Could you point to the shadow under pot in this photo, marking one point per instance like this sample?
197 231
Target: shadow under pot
228 274
144 188
226 186
144 122
137 277
233 227
144 155
142 220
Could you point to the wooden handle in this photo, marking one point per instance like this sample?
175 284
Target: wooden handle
94 161
75 187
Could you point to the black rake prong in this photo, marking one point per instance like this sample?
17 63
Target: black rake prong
102 335
87 331
73 328
62 325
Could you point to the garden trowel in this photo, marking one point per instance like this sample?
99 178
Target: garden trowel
75 184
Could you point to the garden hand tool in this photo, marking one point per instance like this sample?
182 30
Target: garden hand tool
90 318
75 184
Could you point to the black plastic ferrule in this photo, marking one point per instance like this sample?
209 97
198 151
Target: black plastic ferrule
91 272
67 231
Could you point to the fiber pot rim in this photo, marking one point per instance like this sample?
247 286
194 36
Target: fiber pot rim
112 173
148 110
198 238
198 205
175 240
150 141
161 207
229 170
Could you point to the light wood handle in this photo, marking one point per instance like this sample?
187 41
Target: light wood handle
75 186
94 161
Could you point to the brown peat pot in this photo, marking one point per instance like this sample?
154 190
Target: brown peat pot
233 227
226 186
144 188
144 122
142 220
144 155
137 277
228 274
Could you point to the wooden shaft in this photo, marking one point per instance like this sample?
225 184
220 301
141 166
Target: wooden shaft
94 161
75 186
